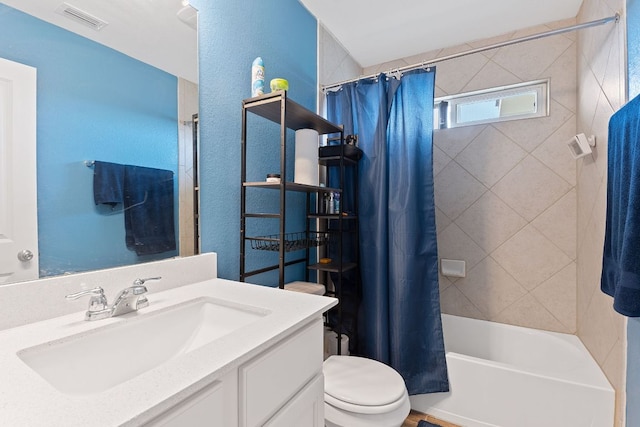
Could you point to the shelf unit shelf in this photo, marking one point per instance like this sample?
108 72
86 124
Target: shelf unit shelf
297 117
333 267
291 186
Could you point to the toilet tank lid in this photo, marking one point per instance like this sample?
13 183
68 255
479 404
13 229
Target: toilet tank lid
361 381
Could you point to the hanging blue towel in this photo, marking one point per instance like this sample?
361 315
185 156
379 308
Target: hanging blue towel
108 183
148 210
621 259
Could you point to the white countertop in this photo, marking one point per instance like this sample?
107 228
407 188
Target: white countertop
26 399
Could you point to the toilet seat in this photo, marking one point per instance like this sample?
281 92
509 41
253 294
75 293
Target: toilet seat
363 386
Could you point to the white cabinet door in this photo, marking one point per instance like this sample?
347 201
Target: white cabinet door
305 409
214 406
274 377
18 213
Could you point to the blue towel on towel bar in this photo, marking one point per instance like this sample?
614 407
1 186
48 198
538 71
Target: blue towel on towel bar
108 183
621 258
147 197
148 210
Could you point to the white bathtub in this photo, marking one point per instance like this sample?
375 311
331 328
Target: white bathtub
508 376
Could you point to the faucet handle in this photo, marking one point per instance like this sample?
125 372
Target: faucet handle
98 305
138 288
139 282
97 296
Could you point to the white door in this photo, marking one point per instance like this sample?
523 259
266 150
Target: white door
18 213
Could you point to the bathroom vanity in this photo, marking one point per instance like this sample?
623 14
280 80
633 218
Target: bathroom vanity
212 352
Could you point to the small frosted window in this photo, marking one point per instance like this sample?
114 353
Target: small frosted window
524 100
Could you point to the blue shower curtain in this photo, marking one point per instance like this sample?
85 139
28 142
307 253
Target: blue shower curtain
400 320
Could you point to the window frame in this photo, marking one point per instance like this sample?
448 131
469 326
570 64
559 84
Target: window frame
447 106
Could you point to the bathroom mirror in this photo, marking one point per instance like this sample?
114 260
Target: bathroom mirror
116 82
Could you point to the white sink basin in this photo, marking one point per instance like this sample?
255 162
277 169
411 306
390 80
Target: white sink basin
102 358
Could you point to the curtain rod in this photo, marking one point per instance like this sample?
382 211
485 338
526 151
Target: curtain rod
423 64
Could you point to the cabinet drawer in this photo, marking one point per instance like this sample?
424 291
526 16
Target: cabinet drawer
269 381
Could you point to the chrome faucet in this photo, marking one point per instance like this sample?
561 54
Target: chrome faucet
128 300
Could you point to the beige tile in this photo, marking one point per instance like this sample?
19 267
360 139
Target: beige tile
453 243
490 222
423 57
598 331
452 301
558 296
599 213
563 24
385 66
443 282
555 154
442 221
490 156
615 5
453 141
490 288
528 60
455 74
530 133
336 64
589 184
492 75
587 95
530 257
491 41
613 82
613 366
589 271
530 188
456 190
558 224
440 160
600 129
562 74
598 58
528 312
438 92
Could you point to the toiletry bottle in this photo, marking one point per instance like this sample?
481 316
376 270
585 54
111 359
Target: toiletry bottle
331 203
336 203
257 77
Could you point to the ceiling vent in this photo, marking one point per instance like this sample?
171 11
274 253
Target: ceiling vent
80 16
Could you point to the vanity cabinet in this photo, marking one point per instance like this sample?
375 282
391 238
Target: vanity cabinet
282 386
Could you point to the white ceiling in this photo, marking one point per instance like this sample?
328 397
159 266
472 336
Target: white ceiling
377 31
372 31
148 30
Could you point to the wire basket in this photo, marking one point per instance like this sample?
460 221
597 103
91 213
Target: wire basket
292 241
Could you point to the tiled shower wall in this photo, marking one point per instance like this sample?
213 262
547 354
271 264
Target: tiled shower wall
601 82
505 192
334 62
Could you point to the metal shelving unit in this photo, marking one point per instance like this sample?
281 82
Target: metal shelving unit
279 109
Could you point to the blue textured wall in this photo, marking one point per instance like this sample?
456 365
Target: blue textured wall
633 325
93 104
231 35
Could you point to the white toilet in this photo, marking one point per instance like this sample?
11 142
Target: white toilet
361 392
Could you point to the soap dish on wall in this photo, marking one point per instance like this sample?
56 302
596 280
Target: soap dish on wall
453 268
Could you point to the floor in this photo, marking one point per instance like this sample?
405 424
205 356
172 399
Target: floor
414 417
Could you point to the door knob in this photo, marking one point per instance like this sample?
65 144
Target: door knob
25 255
